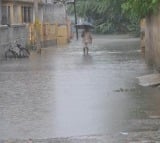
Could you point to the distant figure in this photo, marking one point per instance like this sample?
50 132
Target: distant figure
86 39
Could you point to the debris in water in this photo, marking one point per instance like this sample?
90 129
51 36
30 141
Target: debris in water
124 133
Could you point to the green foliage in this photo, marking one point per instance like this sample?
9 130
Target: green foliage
140 8
107 15
110 16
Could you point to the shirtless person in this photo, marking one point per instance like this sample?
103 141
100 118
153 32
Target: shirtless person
86 39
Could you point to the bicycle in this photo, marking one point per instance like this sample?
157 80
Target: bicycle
16 50
11 52
23 52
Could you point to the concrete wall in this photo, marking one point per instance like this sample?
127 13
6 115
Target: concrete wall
152 40
54 14
10 34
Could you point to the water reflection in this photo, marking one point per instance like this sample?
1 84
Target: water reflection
87 59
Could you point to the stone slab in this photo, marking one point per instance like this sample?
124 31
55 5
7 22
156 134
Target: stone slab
149 80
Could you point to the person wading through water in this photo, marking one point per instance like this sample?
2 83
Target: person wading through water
86 40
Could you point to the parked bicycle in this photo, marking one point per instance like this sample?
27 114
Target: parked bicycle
16 50
11 52
23 52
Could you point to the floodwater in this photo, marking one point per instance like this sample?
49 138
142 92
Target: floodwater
62 93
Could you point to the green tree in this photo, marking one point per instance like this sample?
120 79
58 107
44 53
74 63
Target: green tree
108 15
140 8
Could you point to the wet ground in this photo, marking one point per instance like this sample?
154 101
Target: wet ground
74 98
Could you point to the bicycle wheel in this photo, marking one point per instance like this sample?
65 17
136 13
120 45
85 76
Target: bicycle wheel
24 53
10 54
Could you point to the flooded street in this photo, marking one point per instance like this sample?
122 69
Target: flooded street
62 93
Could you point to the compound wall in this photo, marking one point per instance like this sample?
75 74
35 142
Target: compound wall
9 34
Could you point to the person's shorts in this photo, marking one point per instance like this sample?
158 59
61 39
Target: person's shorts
86 44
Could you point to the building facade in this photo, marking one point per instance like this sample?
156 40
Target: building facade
19 11
27 11
18 19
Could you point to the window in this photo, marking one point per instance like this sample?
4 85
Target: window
27 14
6 15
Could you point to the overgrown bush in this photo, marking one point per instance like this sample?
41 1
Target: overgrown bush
115 16
107 15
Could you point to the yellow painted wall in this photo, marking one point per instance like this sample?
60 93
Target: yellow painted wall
62 35
49 32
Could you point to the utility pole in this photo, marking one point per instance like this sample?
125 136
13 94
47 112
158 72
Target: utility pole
75 12
0 12
35 10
